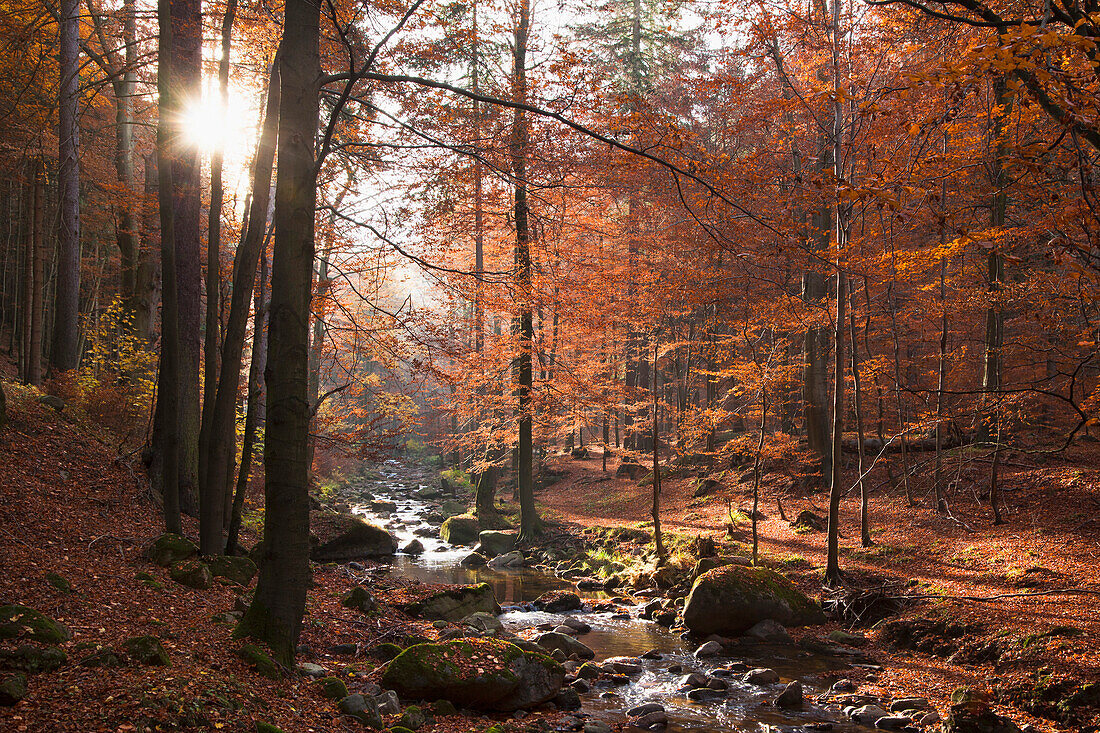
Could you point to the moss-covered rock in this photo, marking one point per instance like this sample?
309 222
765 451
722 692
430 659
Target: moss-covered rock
342 537
102 657
493 542
32 659
59 582
192 573
732 599
486 674
22 622
400 729
333 688
147 650
451 508
262 727
461 529
413 718
455 604
260 661
362 708
558 601
970 712
444 708
385 651
148 581
13 688
360 599
169 549
239 570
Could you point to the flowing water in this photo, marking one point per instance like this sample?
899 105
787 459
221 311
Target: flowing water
747 707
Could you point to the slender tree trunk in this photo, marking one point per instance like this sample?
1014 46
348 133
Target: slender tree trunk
756 470
857 393
223 413
32 369
275 615
994 316
65 353
941 365
655 510
145 274
127 238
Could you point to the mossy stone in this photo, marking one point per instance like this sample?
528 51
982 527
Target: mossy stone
732 599
239 570
13 688
333 688
147 650
32 659
400 729
104 657
385 651
260 661
169 549
455 604
27 623
59 582
262 727
362 708
359 599
413 718
444 708
192 573
461 529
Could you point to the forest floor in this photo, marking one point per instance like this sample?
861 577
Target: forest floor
1038 655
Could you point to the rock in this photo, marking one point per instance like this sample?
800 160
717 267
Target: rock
706 486
32 659
769 630
970 712
576 624
563 629
378 506
333 688
483 621
344 649
552 640
558 601
579 453
388 703
414 547
645 709
413 718
456 603
169 549
707 564
709 649
192 573
239 570
633 471
453 508
666 617
262 727
512 559
444 708
908 703
892 722
310 669
868 714
103 657
649 609
760 676
428 493
59 582
930 719
485 674
13 688
568 723
651 721
23 622
652 654
842 637
693 680
732 599
623 665
717 683
360 599
462 529
588 671
362 708
474 560
808 521
146 650
426 532
260 661
791 697
342 537
702 694
493 542
580 686
51 401
567 699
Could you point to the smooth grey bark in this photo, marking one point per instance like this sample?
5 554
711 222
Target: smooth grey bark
65 351
275 616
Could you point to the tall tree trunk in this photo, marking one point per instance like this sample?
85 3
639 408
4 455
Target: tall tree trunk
275 615
145 274
65 353
941 365
36 201
127 238
857 393
655 508
529 520
213 262
223 413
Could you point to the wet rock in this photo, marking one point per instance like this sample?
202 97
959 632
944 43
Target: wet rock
581 686
892 722
495 542
342 537
652 654
929 719
769 630
623 665
709 649
588 671
791 697
645 709
702 694
512 559
425 532
868 714
486 674
414 547
462 529
483 621
908 703
732 599
843 686
23 622
761 676
596 726
567 699
693 680
474 560
576 624
552 640
651 721
362 708
558 601
381 505
568 723
563 629
649 609
455 604
169 549
717 683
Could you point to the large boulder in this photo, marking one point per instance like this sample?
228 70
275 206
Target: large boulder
342 537
707 564
193 573
732 599
462 529
455 604
971 712
493 542
554 640
484 674
27 623
239 570
169 549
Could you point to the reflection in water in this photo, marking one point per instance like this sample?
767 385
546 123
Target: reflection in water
748 707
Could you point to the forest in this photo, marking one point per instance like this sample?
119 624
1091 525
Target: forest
501 366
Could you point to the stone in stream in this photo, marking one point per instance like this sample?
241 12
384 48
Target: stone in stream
425 532
342 537
455 604
552 640
567 699
791 697
732 599
493 542
868 714
652 654
892 722
576 624
558 601
474 560
512 559
702 694
645 709
717 683
596 726
483 621
563 629
769 630
484 674
649 609
909 703
843 686
623 665
415 547
761 676
709 649
651 721
693 680
462 529
379 506
581 686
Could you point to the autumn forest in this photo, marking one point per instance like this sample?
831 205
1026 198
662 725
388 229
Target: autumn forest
500 365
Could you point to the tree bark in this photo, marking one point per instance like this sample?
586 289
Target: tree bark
65 352
275 615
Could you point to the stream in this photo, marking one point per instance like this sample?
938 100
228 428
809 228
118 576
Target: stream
746 708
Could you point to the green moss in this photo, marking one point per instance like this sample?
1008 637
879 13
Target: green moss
13 688
59 582
333 688
260 661
32 659
147 650
169 549
385 651
400 729
24 622
192 573
239 570
262 727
